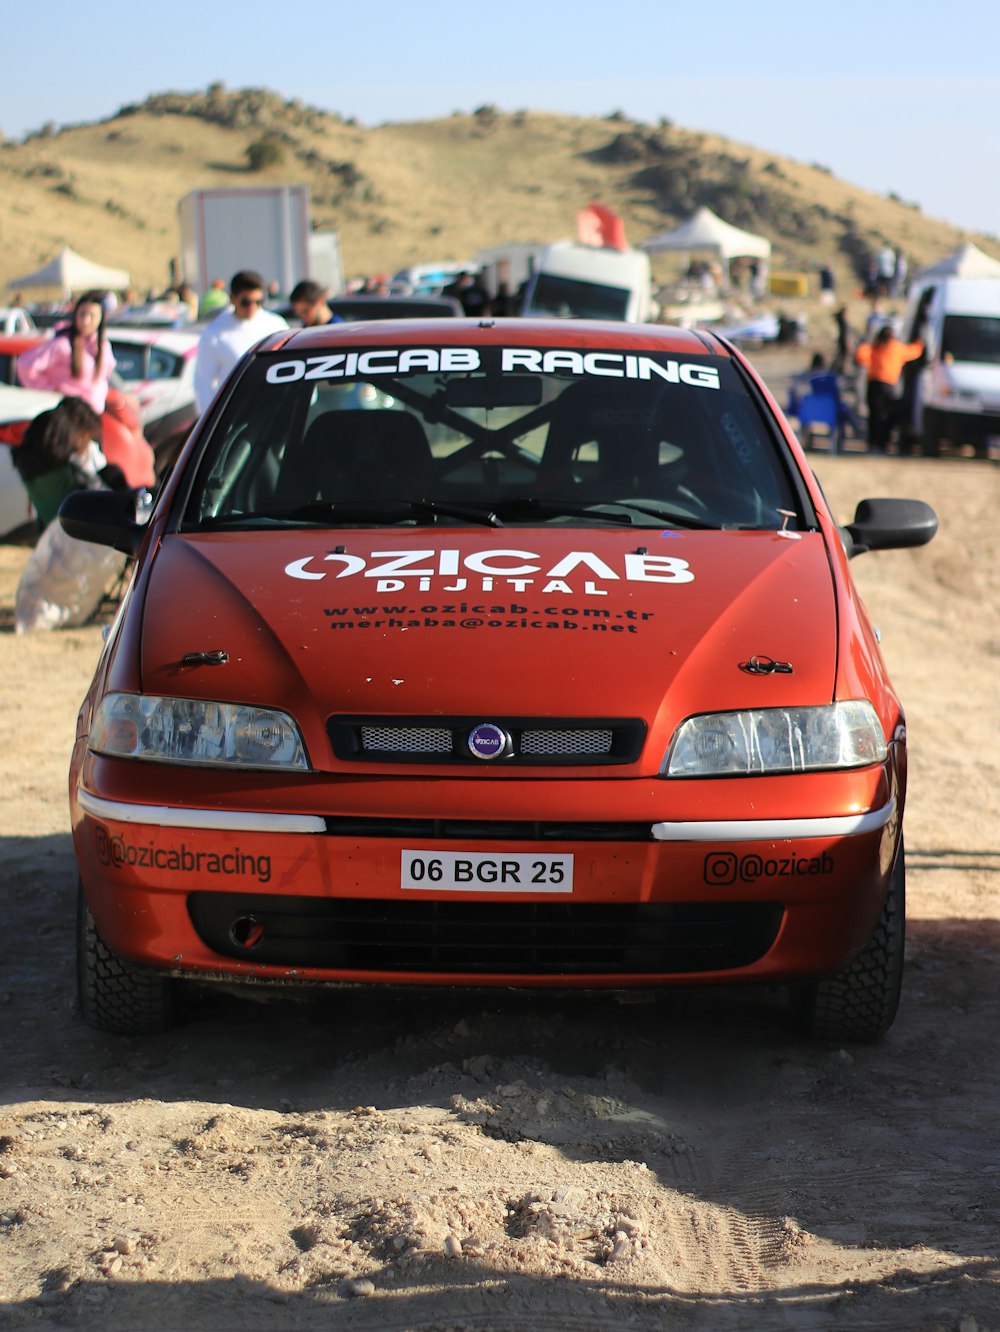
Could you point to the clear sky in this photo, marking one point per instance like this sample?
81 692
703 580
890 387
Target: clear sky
899 98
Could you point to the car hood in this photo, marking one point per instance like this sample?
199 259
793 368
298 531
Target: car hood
501 622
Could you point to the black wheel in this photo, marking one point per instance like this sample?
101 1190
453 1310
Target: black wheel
981 445
859 1002
114 995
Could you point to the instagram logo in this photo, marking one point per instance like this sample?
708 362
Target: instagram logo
720 868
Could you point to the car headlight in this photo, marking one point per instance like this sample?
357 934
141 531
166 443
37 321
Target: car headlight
775 740
191 730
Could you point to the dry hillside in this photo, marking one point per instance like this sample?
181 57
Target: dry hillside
406 192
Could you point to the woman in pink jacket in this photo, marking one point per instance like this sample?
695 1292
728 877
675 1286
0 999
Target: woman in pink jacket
76 362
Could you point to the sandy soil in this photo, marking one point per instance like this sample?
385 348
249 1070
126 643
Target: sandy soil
490 1161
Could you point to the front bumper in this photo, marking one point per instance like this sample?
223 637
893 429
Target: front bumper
304 884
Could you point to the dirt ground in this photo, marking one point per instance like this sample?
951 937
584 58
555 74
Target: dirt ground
494 1161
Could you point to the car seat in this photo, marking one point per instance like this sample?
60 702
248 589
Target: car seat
357 454
607 445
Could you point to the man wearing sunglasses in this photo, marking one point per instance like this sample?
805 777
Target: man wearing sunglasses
232 332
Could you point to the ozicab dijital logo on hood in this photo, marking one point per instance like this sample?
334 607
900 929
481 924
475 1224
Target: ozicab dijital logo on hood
578 572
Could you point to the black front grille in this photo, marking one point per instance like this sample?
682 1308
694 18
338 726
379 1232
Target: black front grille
486 938
534 741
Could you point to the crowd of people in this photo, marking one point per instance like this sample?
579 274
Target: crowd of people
875 364
61 452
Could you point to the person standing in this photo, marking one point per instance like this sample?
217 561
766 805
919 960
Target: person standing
899 277
77 361
885 270
502 304
843 340
883 359
214 300
231 333
189 302
308 302
827 285
471 294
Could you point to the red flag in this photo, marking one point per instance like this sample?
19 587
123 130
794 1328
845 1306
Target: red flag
601 226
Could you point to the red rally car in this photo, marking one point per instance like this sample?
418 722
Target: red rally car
500 653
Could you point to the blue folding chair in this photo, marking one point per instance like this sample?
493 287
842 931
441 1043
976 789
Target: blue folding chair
822 405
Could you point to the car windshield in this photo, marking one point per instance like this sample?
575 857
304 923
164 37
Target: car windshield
385 307
971 338
569 298
492 435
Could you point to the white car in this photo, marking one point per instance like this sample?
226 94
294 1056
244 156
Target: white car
18 406
15 320
157 366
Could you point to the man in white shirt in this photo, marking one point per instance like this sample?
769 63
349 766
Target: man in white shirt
232 332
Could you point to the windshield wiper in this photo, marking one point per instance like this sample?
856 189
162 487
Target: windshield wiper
528 506
484 513
519 508
346 512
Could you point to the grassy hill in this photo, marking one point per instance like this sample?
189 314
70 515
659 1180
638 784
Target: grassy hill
427 190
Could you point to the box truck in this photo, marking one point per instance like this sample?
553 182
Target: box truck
265 228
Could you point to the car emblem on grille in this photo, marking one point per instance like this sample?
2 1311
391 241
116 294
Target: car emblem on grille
487 741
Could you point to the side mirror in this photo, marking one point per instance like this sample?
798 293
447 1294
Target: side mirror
889 524
115 518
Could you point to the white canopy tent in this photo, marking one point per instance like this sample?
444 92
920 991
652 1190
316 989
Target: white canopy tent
968 261
706 231
71 273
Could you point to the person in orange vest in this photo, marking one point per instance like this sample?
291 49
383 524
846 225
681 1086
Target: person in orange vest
883 359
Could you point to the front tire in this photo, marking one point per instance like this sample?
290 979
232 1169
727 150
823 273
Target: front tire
114 995
859 1002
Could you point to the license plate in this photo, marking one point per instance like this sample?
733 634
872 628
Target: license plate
492 872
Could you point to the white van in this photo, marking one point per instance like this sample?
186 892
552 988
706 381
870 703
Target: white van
956 389
573 281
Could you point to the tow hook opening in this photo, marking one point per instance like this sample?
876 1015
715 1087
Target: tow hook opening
246 932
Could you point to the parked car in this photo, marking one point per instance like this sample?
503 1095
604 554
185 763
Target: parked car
430 279
352 308
11 346
552 673
18 407
13 319
157 366
122 439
